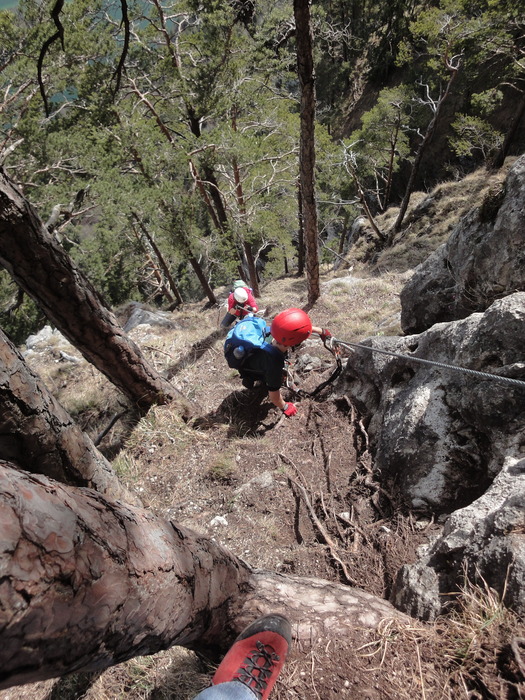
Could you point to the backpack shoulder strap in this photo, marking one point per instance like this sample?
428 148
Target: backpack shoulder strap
271 350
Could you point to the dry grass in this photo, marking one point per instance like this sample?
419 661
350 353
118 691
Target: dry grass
175 674
466 654
476 637
429 221
222 467
161 423
360 305
127 468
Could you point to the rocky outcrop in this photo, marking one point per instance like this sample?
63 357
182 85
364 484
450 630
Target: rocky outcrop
444 439
485 541
442 435
483 260
135 314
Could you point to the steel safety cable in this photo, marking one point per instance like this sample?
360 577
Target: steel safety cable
473 372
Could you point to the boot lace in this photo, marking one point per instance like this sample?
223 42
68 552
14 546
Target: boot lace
256 669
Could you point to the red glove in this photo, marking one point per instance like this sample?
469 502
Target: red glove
325 334
290 409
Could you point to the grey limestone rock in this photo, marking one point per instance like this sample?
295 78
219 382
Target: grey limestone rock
452 444
483 260
485 541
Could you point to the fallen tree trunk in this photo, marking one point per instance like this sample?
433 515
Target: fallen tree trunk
48 275
86 582
36 431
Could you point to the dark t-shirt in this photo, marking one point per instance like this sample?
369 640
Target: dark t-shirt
268 366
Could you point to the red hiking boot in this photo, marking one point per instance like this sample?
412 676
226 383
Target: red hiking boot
257 655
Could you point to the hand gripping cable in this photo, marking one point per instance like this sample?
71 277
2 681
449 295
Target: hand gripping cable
332 346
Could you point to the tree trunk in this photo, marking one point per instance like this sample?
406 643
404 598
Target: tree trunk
391 161
205 197
36 431
344 234
305 69
250 262
214 205
181 238
427 138
368 213
248 252
197 267
300 233
162 262
216 197
45 272
155 272
88 583
503 152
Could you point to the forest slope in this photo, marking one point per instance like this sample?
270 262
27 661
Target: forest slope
246 476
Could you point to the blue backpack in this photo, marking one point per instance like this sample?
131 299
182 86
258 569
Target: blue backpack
244 339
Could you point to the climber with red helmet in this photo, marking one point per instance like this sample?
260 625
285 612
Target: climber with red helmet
241 302
288 329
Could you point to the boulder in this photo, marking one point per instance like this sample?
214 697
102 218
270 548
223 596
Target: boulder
483 260
45 337
135 314
50 342
440 435
484 541
449 443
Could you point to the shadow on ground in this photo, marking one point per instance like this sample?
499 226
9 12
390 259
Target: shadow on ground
72 687
246 412
196 351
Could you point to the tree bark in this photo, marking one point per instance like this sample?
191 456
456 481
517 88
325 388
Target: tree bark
305 70
87 582
162 262
214 205
499 159
197 268
155 272
36 431
300 232
248 252
239 195
427 138
252 271
368 213
45 272
181 238
344 234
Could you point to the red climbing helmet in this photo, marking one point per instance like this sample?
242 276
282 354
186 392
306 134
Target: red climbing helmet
291 327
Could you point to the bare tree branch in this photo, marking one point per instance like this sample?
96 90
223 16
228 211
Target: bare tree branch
125 21
59 34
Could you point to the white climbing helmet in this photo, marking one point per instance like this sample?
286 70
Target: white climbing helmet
240 295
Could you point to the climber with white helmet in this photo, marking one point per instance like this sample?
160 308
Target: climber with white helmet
241 302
